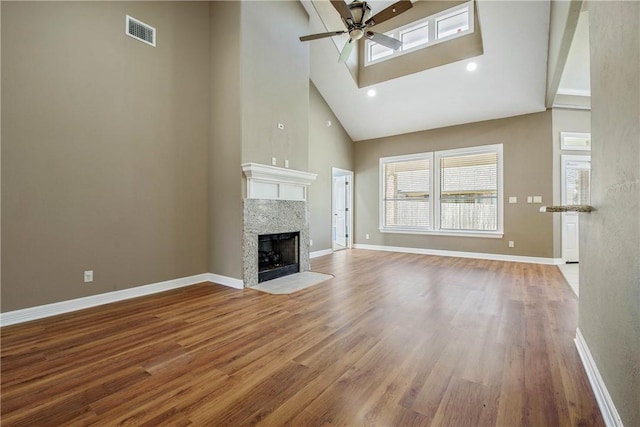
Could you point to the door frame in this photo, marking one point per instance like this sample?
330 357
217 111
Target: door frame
564 159
335 172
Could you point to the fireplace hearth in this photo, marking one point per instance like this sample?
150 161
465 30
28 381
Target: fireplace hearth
278 255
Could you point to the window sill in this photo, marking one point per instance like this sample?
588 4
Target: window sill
485 234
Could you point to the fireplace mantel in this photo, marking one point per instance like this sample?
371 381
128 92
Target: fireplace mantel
274 183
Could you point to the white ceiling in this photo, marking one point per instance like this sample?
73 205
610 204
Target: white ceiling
575 78
510 79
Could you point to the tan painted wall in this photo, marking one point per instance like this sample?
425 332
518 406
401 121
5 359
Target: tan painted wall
527 171
104 148
610 237
275 83
564 120
225 173
259 78
328 147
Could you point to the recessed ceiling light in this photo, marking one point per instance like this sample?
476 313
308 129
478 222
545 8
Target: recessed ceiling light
471 66
371 92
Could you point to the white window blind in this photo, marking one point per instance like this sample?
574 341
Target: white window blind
406 193
469 191
452 192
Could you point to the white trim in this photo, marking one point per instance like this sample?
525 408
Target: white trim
322 252
452 233
434 191
335 172
272 182
574 92
231 282
62 307
607 408
565 161
474 255
586 136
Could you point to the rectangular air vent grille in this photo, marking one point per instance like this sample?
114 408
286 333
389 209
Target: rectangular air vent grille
140 31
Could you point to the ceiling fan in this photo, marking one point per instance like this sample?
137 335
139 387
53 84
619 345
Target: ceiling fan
356 16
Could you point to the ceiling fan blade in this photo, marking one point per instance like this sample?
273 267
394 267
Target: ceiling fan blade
321 35
346 50
342 9
387 41
389 12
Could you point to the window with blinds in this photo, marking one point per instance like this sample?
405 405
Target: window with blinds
469 191
445 192
406 193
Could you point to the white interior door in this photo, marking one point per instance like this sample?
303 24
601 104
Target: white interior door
340 232
576 183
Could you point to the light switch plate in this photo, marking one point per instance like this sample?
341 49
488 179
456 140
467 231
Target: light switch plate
513 199
537 199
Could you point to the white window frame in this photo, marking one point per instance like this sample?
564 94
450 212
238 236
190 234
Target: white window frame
403 158
434 193
432 33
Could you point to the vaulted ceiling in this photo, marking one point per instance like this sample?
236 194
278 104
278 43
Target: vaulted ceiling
510 78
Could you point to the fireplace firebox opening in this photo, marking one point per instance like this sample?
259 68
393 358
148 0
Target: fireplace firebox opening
278 255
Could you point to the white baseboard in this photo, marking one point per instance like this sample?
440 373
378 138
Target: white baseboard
231 282
47 310
475 255
323 252
607 408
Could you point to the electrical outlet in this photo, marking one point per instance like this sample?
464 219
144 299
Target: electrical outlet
366 236
512 244
273 161
529 199
537 199
513 199
286 163
88 276
310 242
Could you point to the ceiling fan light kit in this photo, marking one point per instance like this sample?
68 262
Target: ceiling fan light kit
357 18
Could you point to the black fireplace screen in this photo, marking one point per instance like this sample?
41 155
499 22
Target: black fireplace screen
278 255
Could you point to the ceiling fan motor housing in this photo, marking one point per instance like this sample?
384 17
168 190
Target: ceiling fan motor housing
360 11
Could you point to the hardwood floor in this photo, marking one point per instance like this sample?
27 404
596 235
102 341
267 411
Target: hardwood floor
393 340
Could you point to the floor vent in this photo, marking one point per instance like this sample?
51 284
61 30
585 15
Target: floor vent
140 31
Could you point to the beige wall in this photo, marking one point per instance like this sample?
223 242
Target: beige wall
104 148
275 83
610 237
225 124
259 78
564 120
527 171
328 147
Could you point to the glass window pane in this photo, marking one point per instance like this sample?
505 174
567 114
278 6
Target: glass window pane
415 36
453 24
378 51
469 192
577 186
406 193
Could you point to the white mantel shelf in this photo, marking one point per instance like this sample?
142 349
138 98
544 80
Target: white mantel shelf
274 183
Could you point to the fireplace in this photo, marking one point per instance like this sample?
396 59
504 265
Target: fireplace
278 255
275 203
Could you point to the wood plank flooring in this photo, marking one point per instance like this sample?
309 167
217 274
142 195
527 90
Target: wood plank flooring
393 340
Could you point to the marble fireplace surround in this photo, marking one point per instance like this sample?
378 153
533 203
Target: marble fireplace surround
276 203
263 216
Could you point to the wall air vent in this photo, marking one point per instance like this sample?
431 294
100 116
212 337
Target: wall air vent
140 31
